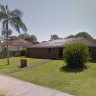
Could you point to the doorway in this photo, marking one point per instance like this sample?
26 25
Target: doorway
60 52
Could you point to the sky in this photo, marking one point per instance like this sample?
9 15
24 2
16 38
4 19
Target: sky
44 18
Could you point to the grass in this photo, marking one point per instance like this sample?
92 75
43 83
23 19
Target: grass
15 63
78 82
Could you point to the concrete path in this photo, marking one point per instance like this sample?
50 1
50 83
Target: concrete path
13 87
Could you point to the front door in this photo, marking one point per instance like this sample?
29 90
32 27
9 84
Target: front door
60 52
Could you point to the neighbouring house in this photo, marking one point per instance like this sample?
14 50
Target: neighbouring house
54 49
1 47
15 47
18 45
2 53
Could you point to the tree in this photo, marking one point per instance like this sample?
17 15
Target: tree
84 34
70 36
30 38
33 39
10 18
54 37
24 36
13 37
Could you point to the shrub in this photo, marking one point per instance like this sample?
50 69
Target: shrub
23 52
76 54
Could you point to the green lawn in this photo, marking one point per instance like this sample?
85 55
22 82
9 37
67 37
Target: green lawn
15 63
78 82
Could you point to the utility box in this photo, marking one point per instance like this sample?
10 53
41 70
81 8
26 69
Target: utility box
23 63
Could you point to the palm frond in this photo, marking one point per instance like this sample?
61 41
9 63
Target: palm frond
17 21
21 24
17 13
3 25
12 17
2 7
15 27
2 16
23 27
2 12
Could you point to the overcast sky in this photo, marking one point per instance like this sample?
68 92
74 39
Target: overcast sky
62 17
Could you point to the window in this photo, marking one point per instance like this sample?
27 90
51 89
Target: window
49 50
5 49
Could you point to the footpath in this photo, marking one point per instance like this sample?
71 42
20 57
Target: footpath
13 87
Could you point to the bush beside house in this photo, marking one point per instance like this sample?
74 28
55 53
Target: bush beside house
76 54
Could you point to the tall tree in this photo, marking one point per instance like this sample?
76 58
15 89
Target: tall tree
33 39
54 37
10 18
13 37
70 36
84 34
24 36
30 38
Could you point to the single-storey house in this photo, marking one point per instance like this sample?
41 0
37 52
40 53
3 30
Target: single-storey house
18 45
1 47
15 47
54 49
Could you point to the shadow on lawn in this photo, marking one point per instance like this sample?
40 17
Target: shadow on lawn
75 70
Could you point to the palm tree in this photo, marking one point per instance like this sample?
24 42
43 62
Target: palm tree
10 18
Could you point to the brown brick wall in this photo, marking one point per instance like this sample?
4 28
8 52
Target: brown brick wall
92 51
43 52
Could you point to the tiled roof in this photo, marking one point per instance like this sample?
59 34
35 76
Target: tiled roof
63 42
20 42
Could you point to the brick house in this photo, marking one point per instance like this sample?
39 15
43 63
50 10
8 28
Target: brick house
54 49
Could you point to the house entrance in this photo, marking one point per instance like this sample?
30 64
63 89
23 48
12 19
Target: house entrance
60 52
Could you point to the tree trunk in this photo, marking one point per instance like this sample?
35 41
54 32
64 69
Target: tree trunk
7 42
7 49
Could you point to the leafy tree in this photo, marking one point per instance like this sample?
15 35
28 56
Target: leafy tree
54 37
24 36
70 36
30 38
84 34
81 34
13 37
10 18
33 39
